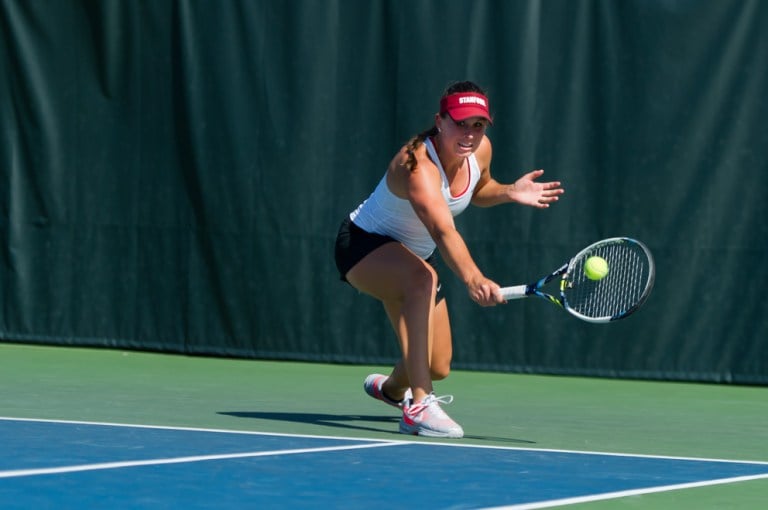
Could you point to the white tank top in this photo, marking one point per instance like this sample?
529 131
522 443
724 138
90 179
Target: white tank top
385 213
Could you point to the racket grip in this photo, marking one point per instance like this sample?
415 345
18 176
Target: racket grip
514 292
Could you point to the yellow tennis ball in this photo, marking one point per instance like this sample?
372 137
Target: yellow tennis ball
595 268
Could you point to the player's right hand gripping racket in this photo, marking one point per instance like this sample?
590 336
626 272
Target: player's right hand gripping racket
621 292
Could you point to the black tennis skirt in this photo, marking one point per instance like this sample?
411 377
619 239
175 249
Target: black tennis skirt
353 244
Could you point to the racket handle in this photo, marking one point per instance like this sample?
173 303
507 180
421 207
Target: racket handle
515 292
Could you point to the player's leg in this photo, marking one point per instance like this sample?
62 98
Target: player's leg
441 350
397 384
424 416
406 285
442 342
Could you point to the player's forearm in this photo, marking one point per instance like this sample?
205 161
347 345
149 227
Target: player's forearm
456 256
493 193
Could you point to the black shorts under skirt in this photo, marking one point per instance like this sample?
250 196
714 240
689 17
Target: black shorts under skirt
353 244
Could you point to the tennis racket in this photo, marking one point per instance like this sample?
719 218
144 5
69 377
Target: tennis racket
620 293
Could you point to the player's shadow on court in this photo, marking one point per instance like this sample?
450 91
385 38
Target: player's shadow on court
348 421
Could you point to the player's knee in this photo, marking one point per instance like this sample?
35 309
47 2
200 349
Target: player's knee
423 281
440 371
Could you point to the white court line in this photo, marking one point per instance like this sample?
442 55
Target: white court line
385 441
620 494
604 454
192 429
180 460
369 443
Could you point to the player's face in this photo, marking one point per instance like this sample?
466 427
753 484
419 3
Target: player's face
464 136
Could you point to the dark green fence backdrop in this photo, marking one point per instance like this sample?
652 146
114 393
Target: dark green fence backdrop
172 173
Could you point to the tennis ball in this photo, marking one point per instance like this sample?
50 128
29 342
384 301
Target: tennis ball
595 268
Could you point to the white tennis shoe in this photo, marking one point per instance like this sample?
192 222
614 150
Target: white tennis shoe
372 386
427 418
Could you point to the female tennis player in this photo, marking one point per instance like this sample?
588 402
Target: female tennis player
385 248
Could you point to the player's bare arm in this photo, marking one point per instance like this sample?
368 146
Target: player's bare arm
422 189
525 191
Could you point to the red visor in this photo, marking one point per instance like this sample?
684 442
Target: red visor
465 105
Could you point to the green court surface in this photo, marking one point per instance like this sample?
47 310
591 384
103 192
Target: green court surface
526 411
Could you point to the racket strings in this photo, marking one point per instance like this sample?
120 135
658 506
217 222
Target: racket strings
624 288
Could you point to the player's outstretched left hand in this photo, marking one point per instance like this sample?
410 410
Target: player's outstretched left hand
527 191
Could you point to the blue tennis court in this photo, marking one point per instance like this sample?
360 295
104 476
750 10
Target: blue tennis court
65 464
